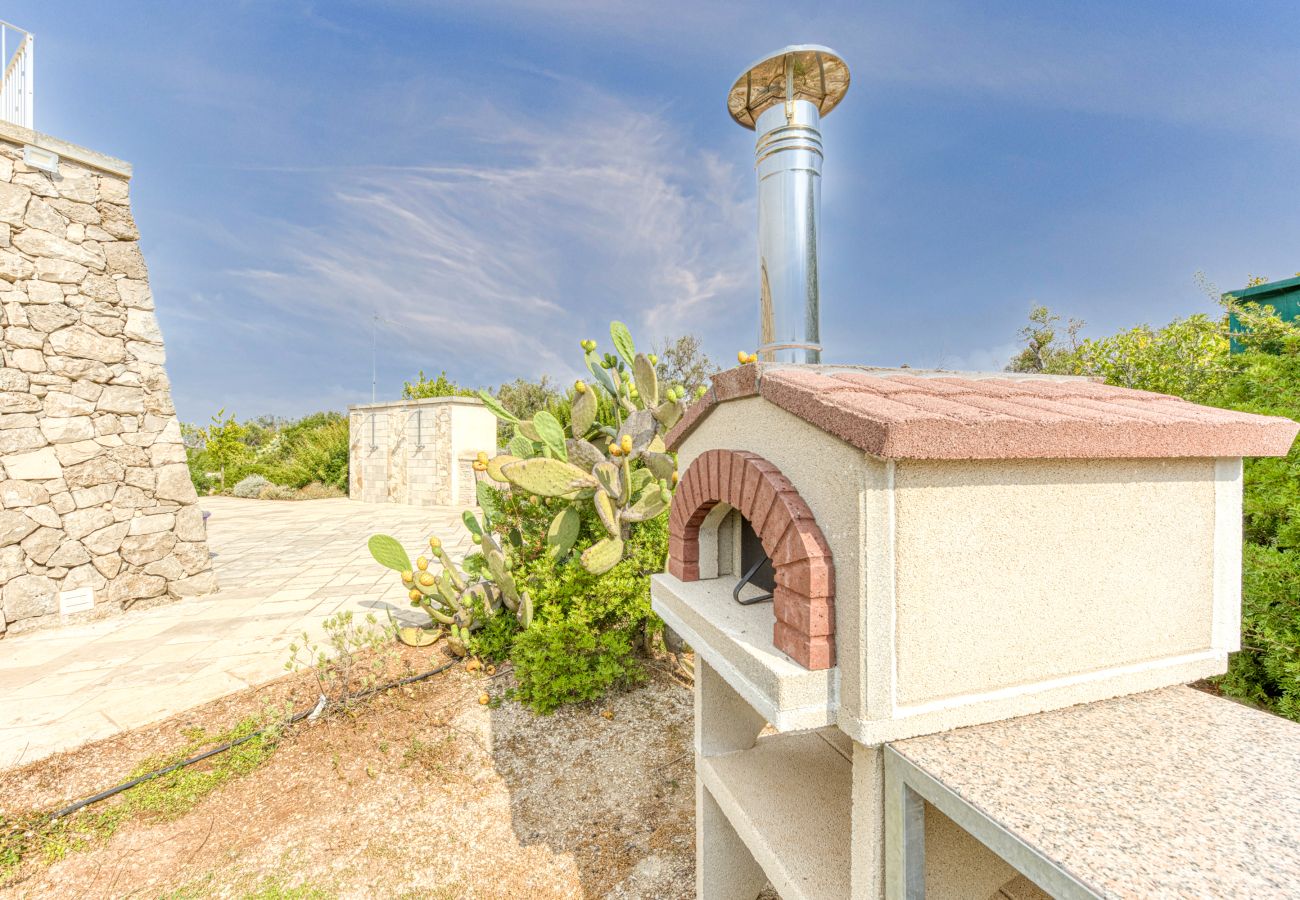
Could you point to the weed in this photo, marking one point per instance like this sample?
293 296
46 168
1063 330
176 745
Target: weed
340 664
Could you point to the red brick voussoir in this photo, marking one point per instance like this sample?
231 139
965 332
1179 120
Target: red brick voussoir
805 572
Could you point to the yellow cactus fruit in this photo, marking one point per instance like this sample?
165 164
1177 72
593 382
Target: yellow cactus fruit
580 386
414 595
472 665
484 699
482 456
434 543
426 579
491 670
422 563
407 576
607 714
742 357
674 478
626 443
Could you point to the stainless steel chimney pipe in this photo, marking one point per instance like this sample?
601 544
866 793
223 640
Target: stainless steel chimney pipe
783 97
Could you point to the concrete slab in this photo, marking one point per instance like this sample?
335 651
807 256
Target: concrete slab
63 686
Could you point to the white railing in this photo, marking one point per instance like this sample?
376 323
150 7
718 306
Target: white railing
17 92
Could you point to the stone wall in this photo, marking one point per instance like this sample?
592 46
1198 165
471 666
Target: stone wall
94 490
418 452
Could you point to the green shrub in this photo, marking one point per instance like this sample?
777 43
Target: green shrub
586 628
318 454
442 386
313 449
1267 671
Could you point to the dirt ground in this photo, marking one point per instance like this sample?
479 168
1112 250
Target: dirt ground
421 792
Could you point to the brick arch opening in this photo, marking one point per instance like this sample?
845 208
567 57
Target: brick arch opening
804 598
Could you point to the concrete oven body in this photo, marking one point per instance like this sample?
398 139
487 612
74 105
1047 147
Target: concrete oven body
947 550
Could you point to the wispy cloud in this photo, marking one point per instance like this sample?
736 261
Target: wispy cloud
598 214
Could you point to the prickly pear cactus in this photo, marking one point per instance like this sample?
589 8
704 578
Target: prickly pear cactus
456 604
623 469
612 455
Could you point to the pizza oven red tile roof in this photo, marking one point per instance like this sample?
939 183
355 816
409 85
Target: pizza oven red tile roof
906 414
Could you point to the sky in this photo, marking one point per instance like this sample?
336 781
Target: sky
499 179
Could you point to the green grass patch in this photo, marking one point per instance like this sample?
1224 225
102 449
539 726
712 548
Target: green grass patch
32 836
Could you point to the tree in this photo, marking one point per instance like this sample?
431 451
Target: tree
223 443
1042 352
442 386
1187 358
524 399
683 361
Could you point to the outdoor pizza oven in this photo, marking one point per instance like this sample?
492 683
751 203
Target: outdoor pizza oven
862 555
926 549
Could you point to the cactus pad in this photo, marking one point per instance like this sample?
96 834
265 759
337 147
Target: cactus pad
640 426
563 532
494 466
607 512
495 407
548 477
661 465
648 505
584 454
647 383
551 432
389 553
602 556
582 414
412 636
611 480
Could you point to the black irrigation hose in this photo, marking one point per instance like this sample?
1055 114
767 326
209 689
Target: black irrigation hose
230 745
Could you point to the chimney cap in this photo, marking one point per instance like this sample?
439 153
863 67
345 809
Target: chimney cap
817 75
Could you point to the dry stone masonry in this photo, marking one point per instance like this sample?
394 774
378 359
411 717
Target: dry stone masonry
94 490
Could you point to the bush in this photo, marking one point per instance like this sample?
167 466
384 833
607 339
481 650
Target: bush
1190 358
251 488
318 454
1267 671
586 628
313 449
442 386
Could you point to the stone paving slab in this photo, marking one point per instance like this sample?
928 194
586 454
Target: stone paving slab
283 568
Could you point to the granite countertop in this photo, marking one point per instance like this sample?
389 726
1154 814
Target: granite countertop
1163 794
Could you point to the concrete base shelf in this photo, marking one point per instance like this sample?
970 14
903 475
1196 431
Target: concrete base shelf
737 642
789 799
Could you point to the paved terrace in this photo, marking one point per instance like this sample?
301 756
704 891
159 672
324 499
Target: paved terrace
283 567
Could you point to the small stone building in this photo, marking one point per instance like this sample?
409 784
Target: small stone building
418 452
94 489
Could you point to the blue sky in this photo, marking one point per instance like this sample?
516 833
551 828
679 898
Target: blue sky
500 179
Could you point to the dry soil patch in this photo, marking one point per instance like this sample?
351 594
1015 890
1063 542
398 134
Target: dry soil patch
421 792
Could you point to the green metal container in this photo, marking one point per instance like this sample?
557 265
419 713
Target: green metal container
1283 296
